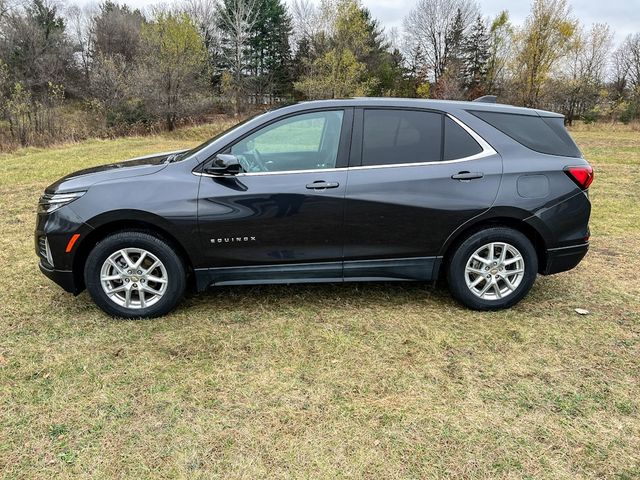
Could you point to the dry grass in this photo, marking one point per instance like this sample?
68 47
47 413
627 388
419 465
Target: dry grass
359 381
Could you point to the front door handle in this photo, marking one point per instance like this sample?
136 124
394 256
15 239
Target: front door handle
321 185
467 175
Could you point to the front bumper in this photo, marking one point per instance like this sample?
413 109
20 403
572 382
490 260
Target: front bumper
58 228
564 258
64 278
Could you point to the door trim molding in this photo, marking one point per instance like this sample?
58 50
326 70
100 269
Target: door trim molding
386 269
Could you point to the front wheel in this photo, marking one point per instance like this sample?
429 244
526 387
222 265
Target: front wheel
134 275
492 269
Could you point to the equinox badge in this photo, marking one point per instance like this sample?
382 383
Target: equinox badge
233 239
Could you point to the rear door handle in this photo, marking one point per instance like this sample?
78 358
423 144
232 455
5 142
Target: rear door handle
467 175
321 185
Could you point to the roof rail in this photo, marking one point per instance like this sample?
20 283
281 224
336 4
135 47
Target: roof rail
487 99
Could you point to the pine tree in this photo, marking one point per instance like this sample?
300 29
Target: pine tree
475 58
455 41
270 62
449 84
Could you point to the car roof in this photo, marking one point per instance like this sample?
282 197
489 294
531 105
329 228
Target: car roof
444 105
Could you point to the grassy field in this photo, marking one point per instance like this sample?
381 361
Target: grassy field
376 381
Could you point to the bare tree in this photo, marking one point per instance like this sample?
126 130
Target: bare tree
204 14
429 28
306 20
619 72
116 31
237 19
631 56
583 72
4 8
79 24
34 45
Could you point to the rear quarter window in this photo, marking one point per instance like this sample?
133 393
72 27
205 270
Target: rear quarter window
542 134
457 142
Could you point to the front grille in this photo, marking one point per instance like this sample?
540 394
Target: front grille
45 251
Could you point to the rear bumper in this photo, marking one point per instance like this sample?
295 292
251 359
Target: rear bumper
63 278
564 258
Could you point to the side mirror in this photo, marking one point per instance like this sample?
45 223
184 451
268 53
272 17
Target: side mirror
224 164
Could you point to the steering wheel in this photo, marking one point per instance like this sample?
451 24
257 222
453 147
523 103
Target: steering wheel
244 163
259 160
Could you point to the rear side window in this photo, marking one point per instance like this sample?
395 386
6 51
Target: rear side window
401 136
457 142
542 134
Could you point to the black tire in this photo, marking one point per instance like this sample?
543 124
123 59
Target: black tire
458 262
175 270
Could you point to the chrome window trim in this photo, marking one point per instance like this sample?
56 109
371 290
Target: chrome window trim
487 151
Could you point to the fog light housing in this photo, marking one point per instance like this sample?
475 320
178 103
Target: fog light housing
45 250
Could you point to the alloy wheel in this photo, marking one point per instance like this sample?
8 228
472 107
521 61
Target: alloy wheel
494 271
134 278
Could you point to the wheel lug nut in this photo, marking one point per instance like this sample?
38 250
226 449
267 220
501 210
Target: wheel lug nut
142 281
139 272
126 280
129 272
135 284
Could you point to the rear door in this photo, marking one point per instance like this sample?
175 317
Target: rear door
415 176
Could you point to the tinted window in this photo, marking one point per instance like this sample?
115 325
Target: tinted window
542 134
401 136
457 142
302 142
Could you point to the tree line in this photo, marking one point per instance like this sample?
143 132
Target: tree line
108 69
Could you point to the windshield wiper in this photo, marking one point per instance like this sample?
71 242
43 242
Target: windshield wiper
174 157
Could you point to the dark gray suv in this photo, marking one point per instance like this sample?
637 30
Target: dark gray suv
484 195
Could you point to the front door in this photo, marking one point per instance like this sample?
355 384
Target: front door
282 218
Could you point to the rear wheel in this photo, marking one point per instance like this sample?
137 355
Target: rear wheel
492 269
134 275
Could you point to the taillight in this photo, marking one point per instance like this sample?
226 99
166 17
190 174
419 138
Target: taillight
582 175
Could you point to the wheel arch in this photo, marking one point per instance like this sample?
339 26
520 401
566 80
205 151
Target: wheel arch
112 225
517 222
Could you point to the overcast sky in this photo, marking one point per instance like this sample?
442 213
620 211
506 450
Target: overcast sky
622 15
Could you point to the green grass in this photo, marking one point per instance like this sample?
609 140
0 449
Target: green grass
336 381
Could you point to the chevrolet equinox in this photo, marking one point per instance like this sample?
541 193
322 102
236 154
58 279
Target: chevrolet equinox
485 195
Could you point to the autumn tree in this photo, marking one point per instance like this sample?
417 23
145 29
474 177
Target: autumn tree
545 39
500 47
341 70
171 74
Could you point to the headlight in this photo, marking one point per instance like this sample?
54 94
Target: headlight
50 202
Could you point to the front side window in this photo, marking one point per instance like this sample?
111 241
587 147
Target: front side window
401 136
303 142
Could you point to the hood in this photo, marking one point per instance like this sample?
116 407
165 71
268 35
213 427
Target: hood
83 179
